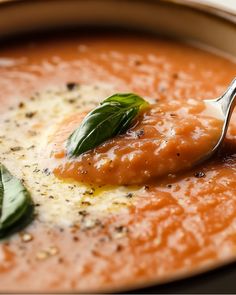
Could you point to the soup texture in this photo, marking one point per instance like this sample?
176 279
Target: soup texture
136 209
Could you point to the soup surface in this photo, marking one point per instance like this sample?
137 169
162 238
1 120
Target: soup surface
109 234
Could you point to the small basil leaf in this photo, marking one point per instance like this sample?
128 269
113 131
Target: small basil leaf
126 99
15 203
114 116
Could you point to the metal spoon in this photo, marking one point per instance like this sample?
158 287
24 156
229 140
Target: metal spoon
223 109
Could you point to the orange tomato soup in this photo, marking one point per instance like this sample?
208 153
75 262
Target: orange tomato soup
177 224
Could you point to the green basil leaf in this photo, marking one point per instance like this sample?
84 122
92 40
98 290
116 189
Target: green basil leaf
16 207
112 117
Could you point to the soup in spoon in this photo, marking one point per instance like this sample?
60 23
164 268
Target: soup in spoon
166 138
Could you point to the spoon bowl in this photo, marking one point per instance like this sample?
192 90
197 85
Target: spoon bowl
222 108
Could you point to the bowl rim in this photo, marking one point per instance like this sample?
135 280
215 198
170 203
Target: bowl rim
209 8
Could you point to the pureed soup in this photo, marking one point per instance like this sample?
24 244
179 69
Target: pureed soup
135 209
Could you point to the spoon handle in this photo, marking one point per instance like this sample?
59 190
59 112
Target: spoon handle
228 100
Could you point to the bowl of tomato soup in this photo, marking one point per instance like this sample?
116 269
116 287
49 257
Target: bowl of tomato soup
136 210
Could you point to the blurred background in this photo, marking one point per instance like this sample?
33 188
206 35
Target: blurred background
229 4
